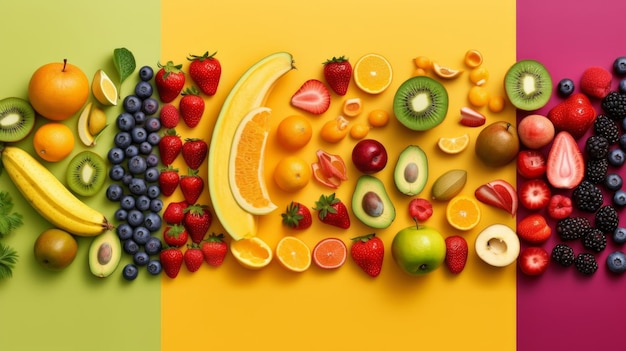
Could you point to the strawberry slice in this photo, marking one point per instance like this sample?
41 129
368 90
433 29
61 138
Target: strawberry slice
565 167
472 118
533 260
535 194
313 97
498 193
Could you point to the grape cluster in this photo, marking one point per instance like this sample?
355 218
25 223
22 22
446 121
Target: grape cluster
135 173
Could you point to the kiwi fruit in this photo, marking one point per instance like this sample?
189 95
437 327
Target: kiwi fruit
528 85
420 103
17 119
86 173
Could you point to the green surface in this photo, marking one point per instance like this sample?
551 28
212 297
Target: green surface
73 310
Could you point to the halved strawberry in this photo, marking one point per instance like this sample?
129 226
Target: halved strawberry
534 194
565 167
498 193
531 163
472 118
313 96
533 260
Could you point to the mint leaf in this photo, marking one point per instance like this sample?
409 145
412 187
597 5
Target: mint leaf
124 62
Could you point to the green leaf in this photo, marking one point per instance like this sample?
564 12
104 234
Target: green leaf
8 259
8 220
124 62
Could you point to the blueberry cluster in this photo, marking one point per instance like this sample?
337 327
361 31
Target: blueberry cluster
135 172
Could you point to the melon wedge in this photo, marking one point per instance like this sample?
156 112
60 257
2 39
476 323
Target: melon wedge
250 92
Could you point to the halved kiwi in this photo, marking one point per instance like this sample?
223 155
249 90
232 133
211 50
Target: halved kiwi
528 85
86 173
420 103
17 119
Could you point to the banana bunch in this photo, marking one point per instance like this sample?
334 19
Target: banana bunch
50 197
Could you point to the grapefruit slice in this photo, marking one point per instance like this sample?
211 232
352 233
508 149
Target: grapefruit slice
565 167
330 253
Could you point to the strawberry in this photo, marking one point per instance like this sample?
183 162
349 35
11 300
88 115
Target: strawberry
175 235
338 73
297 216
596 82
191 107
565 167
169 81
560 206
214 249
367 252
456 253
534 194
575 115
174 212
197 221
171 260
313 97
531 164
498 193
472 118
170 146
533 260
169 116
534 229
420 209
194 152
205 71
168 180
331 210
191 186
193 257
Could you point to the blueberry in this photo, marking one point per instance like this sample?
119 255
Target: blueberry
146 73
152 160
139 135
122 140
137 165
127 202
143 90
153 246
117 172
130 272
153 191
135 218
124 231
619 198
131 151
131 104
145 148
120 214
616 157
140 117
613 181
154 138
154 267
150 106
152 124
115 155
127 178
152 222
619 235
156 205
141 258
152 174
114 192
142 203
619 66
565 87
125 121
141 235
138 186
622 86
616 262
130 246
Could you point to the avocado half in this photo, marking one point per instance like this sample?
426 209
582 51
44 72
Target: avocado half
105 253
371 203
411 171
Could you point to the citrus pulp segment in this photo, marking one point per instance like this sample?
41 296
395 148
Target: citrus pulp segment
246 163
103 88
293 254
330 253
453 145
252 253
373 73
463 212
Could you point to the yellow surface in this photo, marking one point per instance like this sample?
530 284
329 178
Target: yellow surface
345 308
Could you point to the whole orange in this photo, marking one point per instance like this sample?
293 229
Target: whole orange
53 141
58 90
294 132
292 173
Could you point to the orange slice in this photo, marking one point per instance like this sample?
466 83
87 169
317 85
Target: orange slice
446 72
373 73
330 253
293 254
453 145
245 172
252 253
463 212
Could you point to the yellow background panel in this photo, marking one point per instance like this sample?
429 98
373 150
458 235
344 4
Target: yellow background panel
345 309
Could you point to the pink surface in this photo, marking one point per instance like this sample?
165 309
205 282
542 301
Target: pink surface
564 310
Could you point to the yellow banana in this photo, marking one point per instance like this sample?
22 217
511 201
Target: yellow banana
50 197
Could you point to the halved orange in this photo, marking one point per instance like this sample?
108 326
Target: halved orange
373 73
463 212
293 254
453 145
330 253
252 253
246 178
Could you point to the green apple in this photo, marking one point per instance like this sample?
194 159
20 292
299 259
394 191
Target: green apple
55 249
418 249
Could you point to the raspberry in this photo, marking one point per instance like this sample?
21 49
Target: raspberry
587 197
597 147
595 240
572 228
596 169
614 105
596 82
585 263
563 255
607 128
606 219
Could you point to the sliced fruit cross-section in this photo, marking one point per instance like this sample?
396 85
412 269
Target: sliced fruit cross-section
453 145
330 253
103 88
293 254
373 73
463 213
252 253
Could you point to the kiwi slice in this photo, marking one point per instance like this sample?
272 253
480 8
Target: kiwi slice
17 119
420 103
86 173
528 85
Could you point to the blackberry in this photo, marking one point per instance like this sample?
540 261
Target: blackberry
585 263
596 170
597 146
614 105
595 240
572 228
587 197
606 127
563 255
606 219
